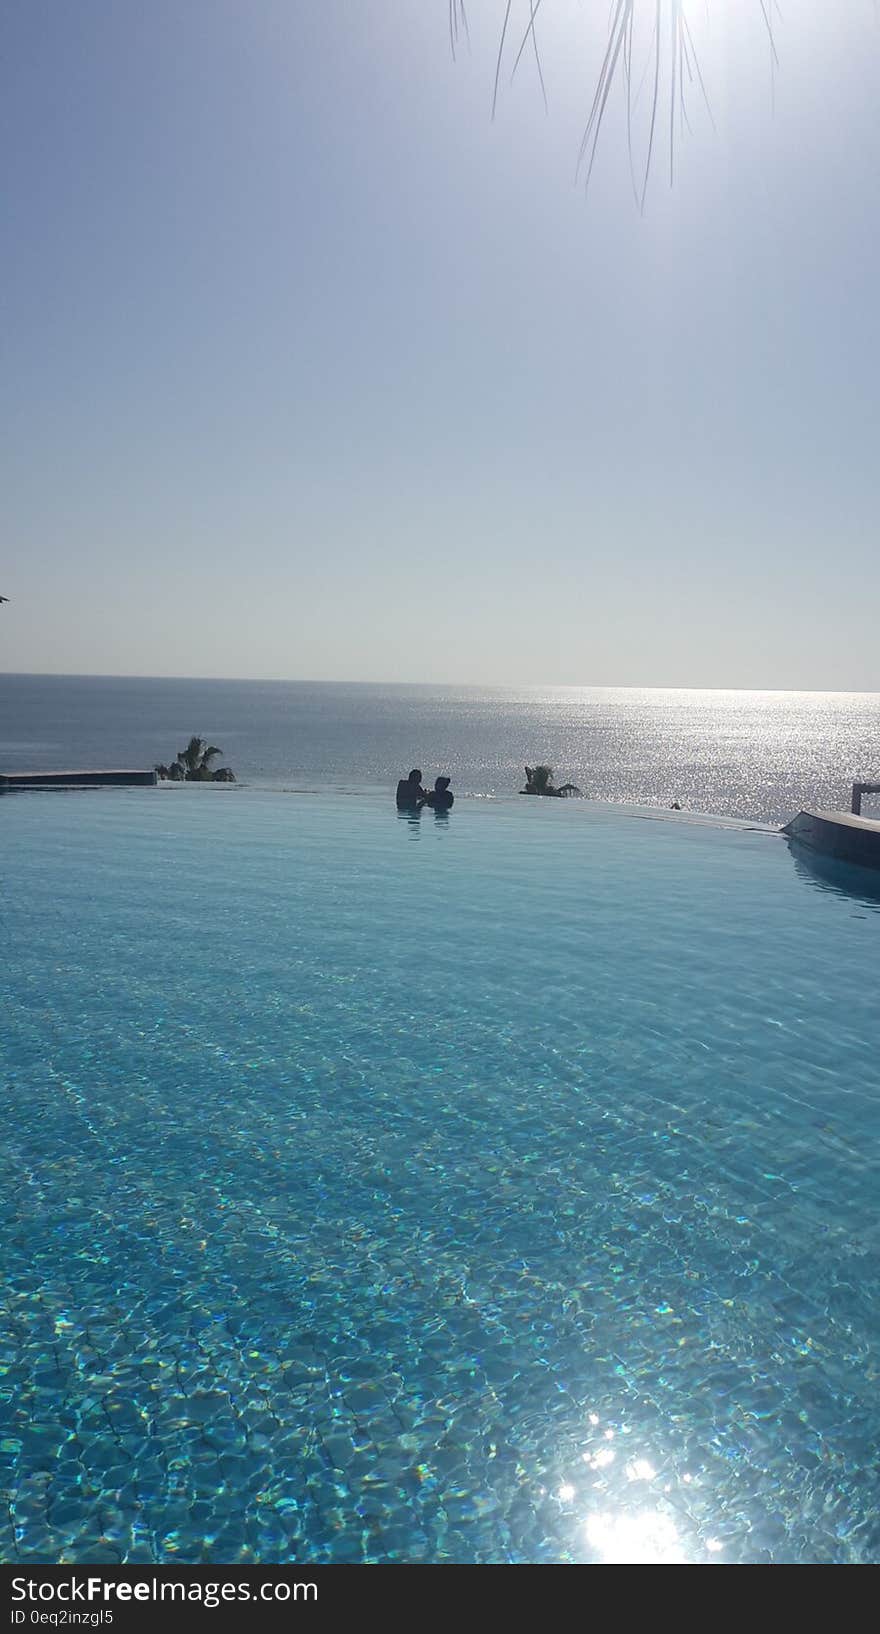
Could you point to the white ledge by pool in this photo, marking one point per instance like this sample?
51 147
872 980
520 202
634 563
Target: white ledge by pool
76 780
838 834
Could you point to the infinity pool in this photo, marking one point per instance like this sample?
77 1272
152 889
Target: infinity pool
501 1188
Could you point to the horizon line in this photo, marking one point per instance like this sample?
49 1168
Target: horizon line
498 686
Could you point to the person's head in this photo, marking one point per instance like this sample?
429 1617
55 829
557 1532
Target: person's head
441 784
415 776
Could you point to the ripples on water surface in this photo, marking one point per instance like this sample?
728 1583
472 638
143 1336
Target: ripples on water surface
495 1189
760 755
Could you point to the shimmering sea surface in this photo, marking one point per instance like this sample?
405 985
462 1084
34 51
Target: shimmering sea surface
756 755
496 1188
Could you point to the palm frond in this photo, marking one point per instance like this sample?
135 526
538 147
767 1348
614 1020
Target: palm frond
458 25
657 30
191 755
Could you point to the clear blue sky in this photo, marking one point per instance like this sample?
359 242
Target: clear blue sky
310 369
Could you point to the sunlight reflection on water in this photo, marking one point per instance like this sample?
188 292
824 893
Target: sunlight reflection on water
649 1538
758 755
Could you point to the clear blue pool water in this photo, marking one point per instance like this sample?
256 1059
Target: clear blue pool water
496 1189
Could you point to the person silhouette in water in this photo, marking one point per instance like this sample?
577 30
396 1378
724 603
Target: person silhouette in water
410 794
440 798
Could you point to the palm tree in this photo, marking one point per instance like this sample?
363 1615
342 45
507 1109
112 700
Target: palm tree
539 780
196 760
193 765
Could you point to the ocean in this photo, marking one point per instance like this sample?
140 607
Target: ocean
753 755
